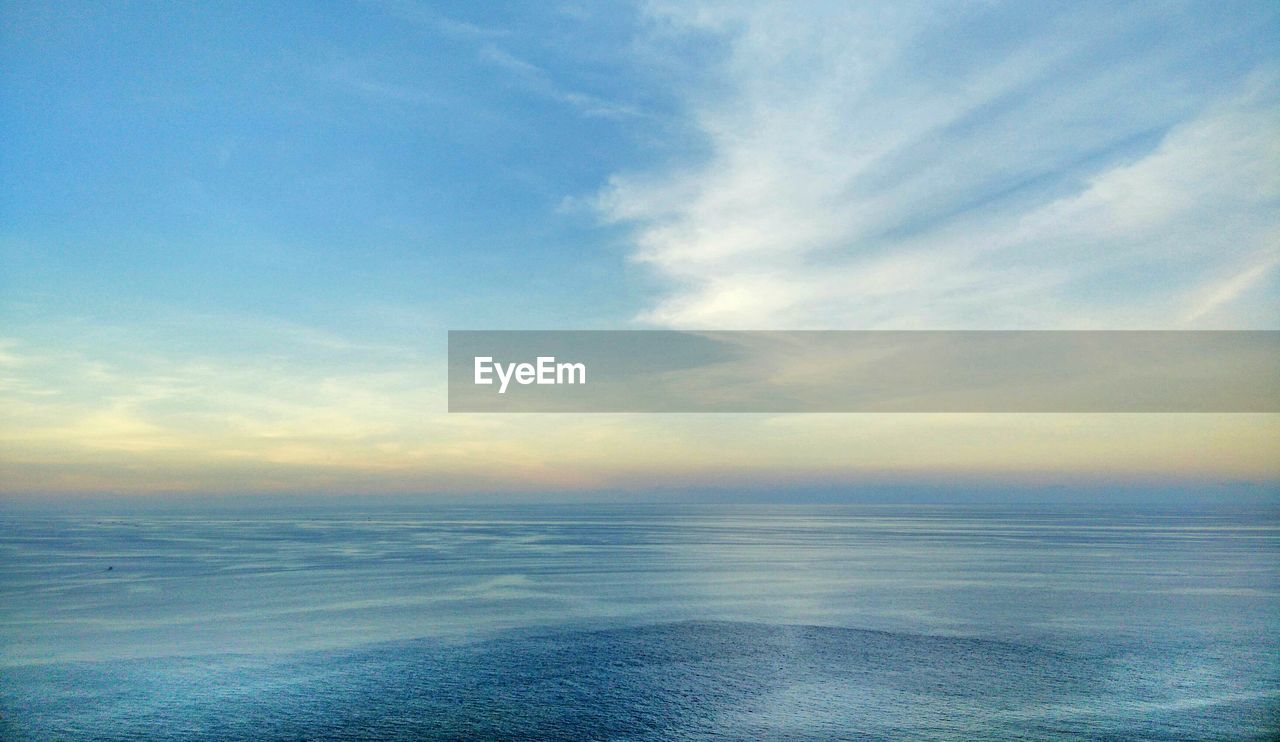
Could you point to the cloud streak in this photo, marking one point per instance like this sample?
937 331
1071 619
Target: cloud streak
869 168
538 81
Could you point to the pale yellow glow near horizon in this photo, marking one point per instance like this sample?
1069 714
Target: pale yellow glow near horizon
455 453
82 422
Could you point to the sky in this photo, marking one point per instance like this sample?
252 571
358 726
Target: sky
234 235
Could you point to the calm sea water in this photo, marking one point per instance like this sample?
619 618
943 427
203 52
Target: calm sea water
734 622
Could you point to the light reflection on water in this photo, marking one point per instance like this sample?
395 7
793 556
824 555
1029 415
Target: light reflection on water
1180 610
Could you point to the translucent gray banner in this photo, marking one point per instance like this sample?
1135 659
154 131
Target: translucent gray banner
864 371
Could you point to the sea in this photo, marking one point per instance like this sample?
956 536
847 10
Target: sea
634 622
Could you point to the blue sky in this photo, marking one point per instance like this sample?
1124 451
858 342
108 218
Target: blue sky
243 229
307 160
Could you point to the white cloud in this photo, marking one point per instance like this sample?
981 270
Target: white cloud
861 173
1219 293
539 81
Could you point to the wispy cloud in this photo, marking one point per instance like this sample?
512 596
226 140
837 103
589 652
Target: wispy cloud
493 46
539 81
365 85
427 17
868 167
1216 294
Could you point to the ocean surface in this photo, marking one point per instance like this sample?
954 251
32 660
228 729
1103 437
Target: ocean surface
633 622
